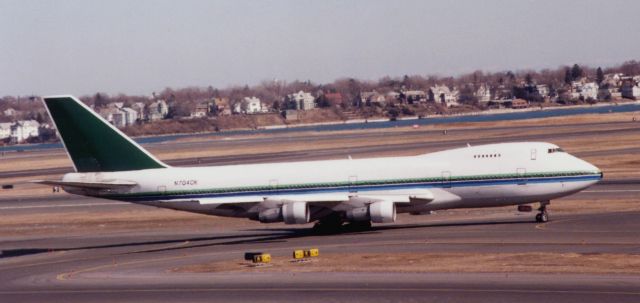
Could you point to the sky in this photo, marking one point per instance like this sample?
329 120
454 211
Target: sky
138 47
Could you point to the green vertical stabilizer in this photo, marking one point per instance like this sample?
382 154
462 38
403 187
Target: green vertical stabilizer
93 144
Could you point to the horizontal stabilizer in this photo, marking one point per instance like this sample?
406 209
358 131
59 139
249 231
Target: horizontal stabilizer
116 184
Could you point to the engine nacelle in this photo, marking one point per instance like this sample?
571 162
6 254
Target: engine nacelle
296 213
377 212
359 214
382 212
270 215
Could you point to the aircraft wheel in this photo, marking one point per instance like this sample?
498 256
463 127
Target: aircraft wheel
542 217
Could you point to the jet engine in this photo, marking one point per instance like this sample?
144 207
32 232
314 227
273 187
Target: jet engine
295 213
290 213
376 212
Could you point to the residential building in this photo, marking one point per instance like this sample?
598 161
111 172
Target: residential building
442 94
130 115
202 110
415 95
630 90
9 112
108 112
304 101
519 103
221 106
5 130
606 92
157 110
140 108
373 97
250 105
118 118
613 80
483 94
334 99
254 105
543 90
584 90
23 130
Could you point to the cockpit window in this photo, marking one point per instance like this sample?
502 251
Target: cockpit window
556 150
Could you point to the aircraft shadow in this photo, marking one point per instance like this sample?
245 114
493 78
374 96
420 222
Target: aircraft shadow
280 235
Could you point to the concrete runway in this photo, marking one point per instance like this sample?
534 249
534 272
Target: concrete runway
136 264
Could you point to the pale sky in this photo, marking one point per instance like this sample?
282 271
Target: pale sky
137 47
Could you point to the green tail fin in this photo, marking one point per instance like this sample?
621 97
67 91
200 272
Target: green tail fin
93 144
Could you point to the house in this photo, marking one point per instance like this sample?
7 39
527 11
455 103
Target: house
9 112
23 130
130 115
519 103
483 94
249 105
108 112
157 110
122 117
202 110
613 80
606 92
5 130
630 90
221 106
140 108
442 94
415 95
303 100
584 90
334 98
373 97
543 90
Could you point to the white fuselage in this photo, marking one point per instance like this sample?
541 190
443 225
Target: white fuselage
480 176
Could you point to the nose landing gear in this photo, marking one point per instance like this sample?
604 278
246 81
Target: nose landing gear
543 215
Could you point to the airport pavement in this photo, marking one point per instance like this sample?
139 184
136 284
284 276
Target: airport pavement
137 264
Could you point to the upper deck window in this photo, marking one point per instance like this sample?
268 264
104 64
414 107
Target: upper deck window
556 150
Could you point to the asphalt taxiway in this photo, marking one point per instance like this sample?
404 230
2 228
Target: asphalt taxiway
138 264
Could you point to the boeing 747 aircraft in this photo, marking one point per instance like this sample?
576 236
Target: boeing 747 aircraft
110 165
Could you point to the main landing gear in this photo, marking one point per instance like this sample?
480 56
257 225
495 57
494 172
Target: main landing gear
543 215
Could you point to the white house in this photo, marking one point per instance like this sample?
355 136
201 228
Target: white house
250 105
483 93
23 130
442 94
304 101
140 108
5 130
9 112
130 115
585 90
157 110
543 90
254 105
201 110
631 90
